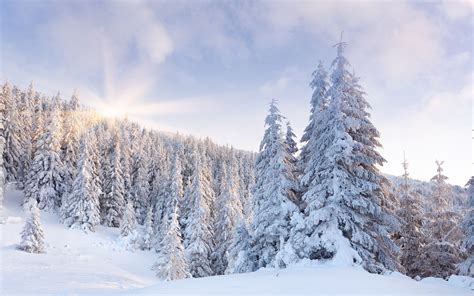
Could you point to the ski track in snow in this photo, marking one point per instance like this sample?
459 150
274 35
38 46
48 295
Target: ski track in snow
94 263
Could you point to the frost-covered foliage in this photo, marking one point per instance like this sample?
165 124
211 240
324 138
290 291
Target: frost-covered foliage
12 131
122 163
441 254
140 184
240 259
114 201
311 135
198 233
32 236
45 181
273 195
467 267
229 212
2 144
80 207
171 263
344 189
411 236
128 223
70 139
147 235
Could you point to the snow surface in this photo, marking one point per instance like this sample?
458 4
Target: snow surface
96 263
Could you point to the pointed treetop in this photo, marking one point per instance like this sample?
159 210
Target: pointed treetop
405 166
340 46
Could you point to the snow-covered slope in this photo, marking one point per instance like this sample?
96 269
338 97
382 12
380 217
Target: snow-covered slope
96 263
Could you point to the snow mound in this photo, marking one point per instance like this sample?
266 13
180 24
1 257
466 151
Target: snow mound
462 281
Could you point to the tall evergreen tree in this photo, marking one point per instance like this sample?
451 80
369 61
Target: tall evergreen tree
140 185
441 254
240 259
32 236
114 202
128 223
46 176
272 197
467 267
147 236
344 216
13 150
412 238
171 263
318 103
293 173
229 212
26 115
81 207
2 146
70 140
198 243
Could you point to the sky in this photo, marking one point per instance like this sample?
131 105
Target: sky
210 68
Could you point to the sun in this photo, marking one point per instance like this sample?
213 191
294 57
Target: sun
113 110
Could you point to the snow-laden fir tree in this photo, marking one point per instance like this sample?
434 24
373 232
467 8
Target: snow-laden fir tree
292 150
26 115
229 212
125 160
147 235
467 267
272 197
70 140
441 254
2 147
198 232
113 204
240 258
46 177
13 149
140 185
319 101
411 236
80 207
128 223
32 236
174 191
344 216
171 263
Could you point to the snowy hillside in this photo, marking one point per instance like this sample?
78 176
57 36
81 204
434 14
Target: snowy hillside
98 263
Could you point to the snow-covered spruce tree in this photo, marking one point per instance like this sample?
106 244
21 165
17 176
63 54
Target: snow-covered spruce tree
292 150
467 267
441 254
344 217
2 147
70 141
229 212
272 198
240 259
318 103
13 150
80 207
198 232
125 159
32 236
114 202
26 115
140 185
147 235
45 179
128 223
171 263
411 237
